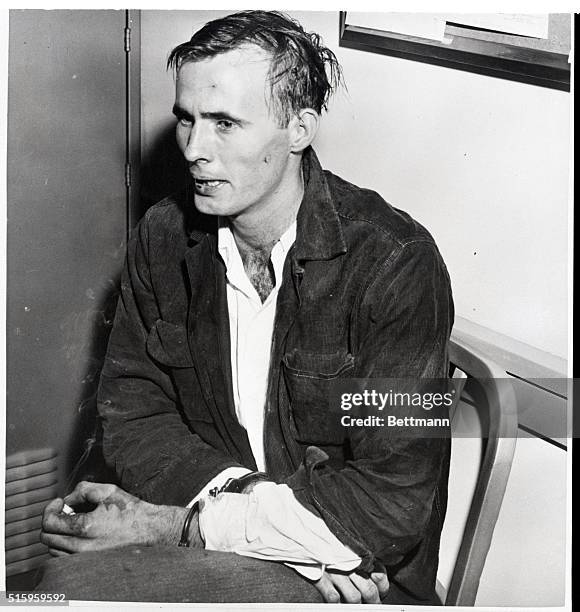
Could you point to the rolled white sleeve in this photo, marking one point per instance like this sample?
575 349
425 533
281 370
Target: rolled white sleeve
270 523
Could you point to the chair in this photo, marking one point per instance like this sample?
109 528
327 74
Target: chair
495 402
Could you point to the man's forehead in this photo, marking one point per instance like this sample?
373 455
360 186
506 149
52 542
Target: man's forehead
236 82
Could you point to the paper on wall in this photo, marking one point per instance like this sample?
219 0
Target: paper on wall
422 25
535 26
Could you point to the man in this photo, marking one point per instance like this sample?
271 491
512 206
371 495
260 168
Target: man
244 300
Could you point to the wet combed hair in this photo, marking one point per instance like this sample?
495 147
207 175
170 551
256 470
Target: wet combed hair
303 72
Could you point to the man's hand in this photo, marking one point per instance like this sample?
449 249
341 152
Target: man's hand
352 588
119 519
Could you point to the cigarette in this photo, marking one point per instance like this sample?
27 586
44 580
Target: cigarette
67 510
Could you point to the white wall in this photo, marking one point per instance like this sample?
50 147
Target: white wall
482 162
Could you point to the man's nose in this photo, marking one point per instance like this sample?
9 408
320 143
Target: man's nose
198 146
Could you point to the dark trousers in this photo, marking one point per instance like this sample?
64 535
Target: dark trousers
142 573
173 574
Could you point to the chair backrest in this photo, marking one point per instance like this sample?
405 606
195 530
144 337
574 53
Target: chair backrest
499 440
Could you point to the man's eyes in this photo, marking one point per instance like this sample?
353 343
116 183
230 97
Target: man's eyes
182 117
224 125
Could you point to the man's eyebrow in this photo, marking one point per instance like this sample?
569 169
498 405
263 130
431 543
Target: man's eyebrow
181 113
224 116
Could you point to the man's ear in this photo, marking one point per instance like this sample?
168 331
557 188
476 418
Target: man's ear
303 128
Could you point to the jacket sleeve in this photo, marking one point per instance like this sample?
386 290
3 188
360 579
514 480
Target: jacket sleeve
381 502
155 454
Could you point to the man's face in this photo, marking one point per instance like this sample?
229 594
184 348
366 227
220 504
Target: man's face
237 153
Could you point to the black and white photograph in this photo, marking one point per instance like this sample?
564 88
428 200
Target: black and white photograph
288 308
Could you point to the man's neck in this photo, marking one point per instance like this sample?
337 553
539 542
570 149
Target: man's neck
256 235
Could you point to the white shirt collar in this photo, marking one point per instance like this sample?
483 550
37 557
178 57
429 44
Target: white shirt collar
228 249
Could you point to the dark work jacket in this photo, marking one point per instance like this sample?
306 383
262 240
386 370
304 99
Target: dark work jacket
364 293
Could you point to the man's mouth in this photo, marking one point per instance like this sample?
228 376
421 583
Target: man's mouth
207 186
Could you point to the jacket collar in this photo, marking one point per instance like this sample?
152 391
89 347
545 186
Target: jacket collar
318 235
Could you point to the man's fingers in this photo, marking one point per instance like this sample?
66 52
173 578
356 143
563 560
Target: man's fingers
382 582
348 591
93 492
52 517
352 587
327 590
58 553
64 524
62 544
54 507
367 588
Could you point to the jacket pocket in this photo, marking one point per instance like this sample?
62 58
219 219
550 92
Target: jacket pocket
309 379
167 344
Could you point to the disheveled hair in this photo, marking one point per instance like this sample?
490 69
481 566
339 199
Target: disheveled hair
303 72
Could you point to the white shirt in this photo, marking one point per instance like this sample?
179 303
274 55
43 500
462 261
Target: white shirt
251 328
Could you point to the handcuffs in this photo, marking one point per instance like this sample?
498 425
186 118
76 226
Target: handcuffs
232 485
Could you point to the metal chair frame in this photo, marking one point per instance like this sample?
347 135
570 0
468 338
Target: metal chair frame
498 452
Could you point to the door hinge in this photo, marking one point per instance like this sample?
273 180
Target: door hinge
127 175
127 40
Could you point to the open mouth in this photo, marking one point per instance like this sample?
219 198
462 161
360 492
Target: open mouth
207 186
